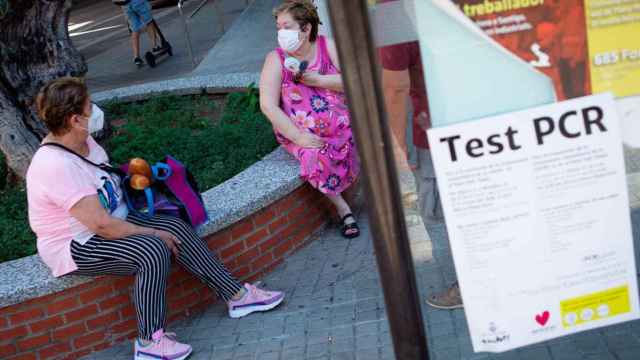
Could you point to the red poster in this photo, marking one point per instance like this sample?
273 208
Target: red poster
551 35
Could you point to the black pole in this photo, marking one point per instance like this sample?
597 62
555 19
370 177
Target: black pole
350 26
155 24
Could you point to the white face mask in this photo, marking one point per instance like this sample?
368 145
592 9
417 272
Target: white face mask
289 40
96 121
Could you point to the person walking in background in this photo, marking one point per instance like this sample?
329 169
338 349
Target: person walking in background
140 19
402 76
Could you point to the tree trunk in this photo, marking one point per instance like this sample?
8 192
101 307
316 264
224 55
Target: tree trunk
34 49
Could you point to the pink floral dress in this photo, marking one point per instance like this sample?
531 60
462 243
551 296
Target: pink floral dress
323 112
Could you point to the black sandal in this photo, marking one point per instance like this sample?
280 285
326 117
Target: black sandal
347 227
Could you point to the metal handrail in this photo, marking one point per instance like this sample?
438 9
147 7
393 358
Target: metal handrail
198 8
187 34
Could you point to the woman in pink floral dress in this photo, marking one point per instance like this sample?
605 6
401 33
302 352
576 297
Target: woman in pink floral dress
306 105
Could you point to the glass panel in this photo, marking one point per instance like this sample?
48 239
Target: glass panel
481 58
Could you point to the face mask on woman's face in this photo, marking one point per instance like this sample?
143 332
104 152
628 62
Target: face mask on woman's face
96 120
289 40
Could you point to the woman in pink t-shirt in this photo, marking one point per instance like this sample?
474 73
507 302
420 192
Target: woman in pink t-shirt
83 226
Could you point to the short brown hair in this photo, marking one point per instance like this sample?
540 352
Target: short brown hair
303 12
60 99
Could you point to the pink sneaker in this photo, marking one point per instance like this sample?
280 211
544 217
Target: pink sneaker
163 347
254 300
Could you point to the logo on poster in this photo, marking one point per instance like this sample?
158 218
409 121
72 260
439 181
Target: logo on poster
495 336
542 318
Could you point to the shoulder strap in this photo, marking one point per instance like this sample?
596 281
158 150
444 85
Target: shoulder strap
106 167
281 54
324 58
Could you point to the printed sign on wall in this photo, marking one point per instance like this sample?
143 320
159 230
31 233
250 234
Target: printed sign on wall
537 213
554 36
614 45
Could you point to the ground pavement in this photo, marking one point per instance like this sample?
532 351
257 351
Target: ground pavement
98 30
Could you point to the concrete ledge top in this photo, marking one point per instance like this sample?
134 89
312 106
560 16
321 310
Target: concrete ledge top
264 182
203 84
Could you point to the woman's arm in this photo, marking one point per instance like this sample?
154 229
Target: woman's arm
270 83
91 214
331 82
333 53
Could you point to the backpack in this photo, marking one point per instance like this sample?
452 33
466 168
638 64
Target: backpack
174 190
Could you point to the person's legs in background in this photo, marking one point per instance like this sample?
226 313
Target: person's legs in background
431 209
140 18
427 186
136 26
146 16
135 45
154 37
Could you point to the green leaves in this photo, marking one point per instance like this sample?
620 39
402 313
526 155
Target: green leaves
213 149
3 172
16 238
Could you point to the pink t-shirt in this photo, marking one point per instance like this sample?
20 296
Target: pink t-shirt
56 181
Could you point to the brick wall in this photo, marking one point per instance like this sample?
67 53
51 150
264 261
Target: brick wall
93 316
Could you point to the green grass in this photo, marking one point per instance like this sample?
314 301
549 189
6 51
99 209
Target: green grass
3 172
16 238
182 126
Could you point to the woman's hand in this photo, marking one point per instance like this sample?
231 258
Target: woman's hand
312 78
168 238
308 140
90 213
329 82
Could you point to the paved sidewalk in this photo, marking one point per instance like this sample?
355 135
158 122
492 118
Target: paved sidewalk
110 61
334 309
243 47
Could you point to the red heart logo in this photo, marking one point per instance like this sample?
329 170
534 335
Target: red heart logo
542 318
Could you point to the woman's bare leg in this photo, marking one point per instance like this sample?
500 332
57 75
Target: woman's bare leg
343 209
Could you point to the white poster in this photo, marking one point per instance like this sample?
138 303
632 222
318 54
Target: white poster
537 211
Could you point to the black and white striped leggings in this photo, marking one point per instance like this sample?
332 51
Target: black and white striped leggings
149 259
